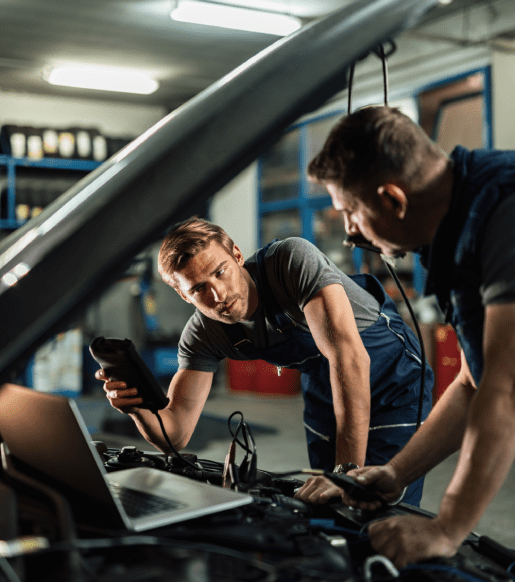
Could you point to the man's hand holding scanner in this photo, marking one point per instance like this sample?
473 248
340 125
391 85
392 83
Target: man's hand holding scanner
354 489
383 480
120 396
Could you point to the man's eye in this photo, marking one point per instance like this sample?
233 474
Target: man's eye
221 272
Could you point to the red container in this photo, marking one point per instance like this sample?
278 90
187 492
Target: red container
260 377
447 361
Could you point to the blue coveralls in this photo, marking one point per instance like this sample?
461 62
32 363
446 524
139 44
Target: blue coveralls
395 372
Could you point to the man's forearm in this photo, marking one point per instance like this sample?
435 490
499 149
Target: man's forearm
149 427
487 454
351 397
351 440
439 436
187 395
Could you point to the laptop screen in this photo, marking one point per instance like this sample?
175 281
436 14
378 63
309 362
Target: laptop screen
47 433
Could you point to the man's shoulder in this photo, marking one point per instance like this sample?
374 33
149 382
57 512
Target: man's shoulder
485 165
296 242
293 245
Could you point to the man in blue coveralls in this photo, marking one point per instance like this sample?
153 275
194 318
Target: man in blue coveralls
400 191
292 307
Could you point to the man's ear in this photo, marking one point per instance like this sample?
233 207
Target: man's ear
238 255
393 198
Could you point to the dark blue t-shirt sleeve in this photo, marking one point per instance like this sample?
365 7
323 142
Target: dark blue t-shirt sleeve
498 255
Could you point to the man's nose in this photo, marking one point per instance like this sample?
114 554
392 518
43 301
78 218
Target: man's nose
219 292
350 227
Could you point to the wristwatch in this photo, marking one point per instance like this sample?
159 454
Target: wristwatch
345 468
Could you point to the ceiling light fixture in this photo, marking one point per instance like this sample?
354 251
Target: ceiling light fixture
235 17
103 79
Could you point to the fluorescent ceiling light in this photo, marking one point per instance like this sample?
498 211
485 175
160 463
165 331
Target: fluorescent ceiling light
102 78
235 17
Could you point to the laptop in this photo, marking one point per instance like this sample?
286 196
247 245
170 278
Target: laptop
47 434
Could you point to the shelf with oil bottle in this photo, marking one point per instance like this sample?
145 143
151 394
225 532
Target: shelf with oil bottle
37 165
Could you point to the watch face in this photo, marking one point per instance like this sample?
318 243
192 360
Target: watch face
345 468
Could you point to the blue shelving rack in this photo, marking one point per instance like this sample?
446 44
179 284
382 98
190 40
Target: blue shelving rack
10 222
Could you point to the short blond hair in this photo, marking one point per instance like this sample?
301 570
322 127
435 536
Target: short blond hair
184 241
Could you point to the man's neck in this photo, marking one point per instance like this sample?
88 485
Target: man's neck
431 205
253 295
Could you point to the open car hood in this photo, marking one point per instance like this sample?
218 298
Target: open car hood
57 263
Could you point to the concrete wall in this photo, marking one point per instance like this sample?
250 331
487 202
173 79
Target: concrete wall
112 119
234 208
503 100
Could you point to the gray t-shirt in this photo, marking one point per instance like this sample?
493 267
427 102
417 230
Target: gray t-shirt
296 270
498 255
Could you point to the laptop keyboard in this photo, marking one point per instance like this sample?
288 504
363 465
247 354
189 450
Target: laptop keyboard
139 504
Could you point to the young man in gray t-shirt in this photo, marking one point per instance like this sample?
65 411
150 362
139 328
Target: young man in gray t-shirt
290 306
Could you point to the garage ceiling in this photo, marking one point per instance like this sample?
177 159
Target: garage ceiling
184 58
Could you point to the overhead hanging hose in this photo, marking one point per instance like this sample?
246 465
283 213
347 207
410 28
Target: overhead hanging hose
383 55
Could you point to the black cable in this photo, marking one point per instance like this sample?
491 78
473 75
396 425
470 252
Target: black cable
351 79
382 55
421 342
249 438
245 431
211 465
174 450
238 428
396 278
249 446
248 467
